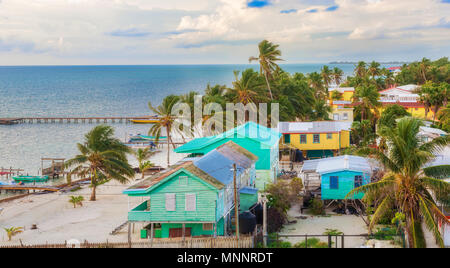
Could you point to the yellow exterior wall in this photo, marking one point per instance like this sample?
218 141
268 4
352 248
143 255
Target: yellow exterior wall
345 139
346 96
325 144
416 112
341 111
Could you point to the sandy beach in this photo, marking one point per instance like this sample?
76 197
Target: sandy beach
57 221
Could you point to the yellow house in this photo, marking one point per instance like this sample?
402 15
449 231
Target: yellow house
346 93
342 114
316 139
406 97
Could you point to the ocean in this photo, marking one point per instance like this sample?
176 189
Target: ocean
94 91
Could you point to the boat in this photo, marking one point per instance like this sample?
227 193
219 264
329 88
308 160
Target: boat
30 179
144 121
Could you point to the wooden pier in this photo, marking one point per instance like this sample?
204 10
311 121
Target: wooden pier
75 120
30 187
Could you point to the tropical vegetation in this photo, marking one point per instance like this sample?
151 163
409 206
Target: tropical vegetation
101 158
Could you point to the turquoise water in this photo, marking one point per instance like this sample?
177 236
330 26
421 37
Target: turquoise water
93 91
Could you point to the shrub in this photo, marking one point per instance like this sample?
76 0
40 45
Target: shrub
275 221
312 243
317 207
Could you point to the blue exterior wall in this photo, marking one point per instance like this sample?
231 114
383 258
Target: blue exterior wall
346 181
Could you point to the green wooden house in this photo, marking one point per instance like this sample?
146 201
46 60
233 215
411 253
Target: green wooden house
196 196
259 140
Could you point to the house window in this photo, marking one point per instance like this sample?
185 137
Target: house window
336 117
287 138
183 180
316 138
303 139
358 181
170 202
345 116
208 226
334 182
190 202
329 136
148 205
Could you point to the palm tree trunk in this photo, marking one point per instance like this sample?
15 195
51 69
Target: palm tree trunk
268 85
93 184
168 147
93 194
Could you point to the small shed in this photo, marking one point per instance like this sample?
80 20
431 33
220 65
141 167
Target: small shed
340 175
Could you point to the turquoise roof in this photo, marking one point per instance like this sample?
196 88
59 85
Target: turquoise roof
250 130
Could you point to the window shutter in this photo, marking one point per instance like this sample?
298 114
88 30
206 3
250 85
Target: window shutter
170 202
191 202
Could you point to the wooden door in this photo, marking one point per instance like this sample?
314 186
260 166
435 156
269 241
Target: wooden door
178 232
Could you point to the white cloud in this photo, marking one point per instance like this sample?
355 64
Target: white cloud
209 31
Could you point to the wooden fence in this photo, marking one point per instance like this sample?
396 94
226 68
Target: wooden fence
207 242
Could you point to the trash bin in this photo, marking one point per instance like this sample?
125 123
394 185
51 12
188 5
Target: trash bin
144 234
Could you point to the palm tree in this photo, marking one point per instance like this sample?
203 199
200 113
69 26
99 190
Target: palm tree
10 232
321 110
405 186
374 69
366 98
424 65
360 69
316 82
327 76
166 121
337 76
269 54
245 89
142 155
102 157
76 200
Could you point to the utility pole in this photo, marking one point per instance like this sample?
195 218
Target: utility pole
264 200
236 203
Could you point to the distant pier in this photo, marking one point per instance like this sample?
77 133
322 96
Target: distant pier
74 120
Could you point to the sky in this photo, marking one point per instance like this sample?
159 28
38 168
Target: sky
97 32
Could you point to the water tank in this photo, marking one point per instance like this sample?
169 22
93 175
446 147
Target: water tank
247 222
259 213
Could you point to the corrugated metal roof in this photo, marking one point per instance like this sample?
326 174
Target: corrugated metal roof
248 190
310 165
346 162
249 130
342 89
440 160
313 127
237 154
216 167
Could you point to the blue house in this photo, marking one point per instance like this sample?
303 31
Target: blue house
340 175
260 141
196 196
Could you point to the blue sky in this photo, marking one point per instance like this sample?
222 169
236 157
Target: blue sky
40 32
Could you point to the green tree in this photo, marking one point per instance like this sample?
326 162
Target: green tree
245 88
366 100
391 114
102 157
142 156
338 74
405 186
434 96
12 231
76 200
166 121
361 69
327 76
374 69
269 55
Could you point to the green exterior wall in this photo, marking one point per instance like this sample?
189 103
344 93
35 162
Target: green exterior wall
346 184
206 199
196 229
247 201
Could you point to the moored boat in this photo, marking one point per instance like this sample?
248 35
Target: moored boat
30 179
144 121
